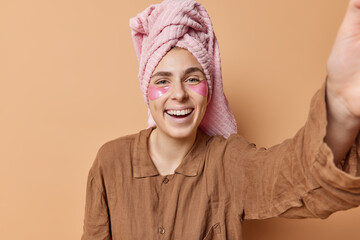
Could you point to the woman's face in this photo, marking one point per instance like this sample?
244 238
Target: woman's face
178 94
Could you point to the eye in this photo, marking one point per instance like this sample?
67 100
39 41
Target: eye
193 81
161 82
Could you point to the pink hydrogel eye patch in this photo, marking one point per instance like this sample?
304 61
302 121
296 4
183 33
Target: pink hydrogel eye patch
200 88
156 92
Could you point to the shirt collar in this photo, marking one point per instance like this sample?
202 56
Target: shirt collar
143 166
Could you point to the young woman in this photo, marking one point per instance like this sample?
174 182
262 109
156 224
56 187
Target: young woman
189 175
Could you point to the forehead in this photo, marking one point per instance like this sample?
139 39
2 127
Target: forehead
177 59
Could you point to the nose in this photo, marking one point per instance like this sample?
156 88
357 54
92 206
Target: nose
179 92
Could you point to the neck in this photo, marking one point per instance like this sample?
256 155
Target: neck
168 152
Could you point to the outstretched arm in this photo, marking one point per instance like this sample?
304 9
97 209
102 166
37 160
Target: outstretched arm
343 85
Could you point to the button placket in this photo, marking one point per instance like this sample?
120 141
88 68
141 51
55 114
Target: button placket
162 205
164 194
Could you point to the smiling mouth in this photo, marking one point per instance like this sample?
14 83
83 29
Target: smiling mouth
179 113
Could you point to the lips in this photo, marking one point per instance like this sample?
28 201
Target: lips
179 113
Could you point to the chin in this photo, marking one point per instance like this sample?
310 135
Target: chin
181 132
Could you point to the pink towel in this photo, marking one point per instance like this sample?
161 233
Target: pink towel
185 24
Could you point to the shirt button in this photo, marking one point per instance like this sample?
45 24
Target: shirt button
165 180
161 230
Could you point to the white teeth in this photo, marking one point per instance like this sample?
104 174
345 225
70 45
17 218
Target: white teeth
179 112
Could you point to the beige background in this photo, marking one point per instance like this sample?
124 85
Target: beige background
69 83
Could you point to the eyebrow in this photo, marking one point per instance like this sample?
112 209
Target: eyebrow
169 74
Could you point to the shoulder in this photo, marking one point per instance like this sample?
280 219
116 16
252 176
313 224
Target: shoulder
115 155
228 152
233 143
116 146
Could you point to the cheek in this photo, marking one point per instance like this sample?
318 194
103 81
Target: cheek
201 88
155 92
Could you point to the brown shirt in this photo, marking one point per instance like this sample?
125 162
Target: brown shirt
218 184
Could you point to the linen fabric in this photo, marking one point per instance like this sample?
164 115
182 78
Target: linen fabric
184 24
219 183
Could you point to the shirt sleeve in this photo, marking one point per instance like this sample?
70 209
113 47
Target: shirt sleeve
297 178
96 221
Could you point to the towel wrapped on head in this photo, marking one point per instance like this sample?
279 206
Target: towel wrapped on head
184 24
